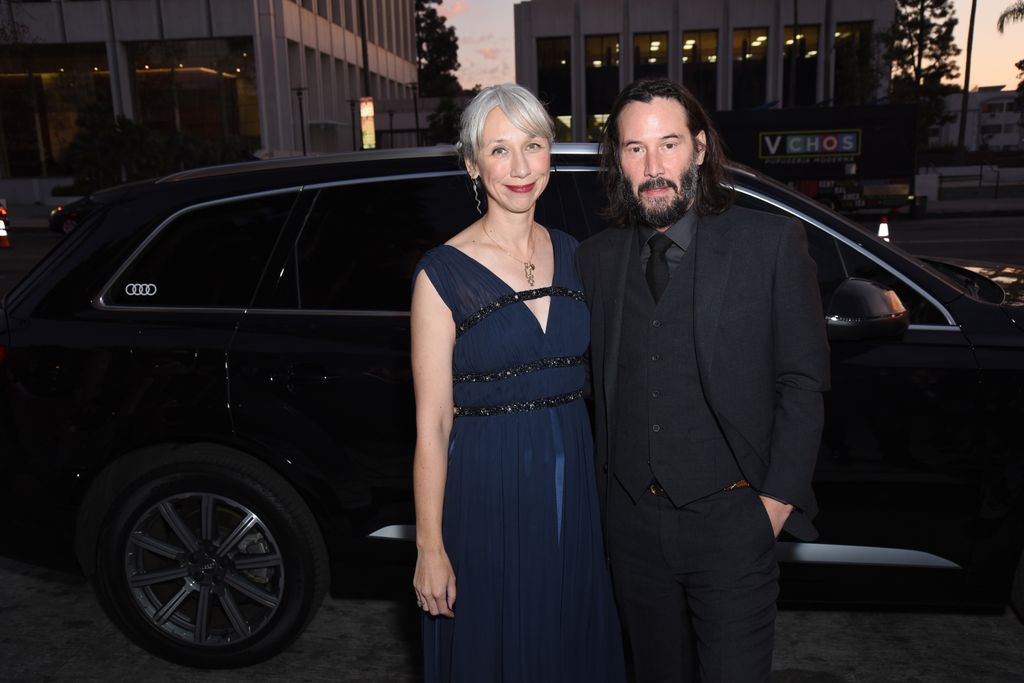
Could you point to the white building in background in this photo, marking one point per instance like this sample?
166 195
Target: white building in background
734 54
222 71
993 121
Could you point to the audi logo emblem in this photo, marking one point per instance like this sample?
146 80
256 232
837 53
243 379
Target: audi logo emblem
140 289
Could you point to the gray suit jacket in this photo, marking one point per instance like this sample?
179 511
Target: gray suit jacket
759 332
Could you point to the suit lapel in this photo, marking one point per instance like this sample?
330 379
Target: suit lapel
711 275
614 262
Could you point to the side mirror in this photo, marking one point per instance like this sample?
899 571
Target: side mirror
862 309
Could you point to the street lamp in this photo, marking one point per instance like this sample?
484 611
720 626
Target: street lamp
416 110
299 91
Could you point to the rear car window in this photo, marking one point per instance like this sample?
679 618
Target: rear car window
210 257
361 242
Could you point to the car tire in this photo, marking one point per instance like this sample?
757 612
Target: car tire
208 557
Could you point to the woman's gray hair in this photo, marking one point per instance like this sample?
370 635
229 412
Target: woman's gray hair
520 105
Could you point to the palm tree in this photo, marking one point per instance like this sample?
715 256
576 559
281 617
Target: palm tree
1015 12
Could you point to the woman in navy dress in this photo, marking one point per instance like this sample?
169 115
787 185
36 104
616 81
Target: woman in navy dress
510 571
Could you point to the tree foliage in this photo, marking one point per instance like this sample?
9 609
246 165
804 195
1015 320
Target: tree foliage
920 47
437 52
1015 12
108 151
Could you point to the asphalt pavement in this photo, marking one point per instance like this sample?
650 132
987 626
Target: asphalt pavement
52 629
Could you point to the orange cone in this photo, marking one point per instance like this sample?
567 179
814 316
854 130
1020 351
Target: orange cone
5 241
883 228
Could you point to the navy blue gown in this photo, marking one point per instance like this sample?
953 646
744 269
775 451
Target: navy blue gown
520 519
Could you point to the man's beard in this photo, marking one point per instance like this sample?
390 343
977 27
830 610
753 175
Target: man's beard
664 212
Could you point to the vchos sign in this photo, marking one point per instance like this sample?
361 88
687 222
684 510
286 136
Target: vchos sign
809 145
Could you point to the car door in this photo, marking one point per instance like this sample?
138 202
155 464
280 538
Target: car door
897 476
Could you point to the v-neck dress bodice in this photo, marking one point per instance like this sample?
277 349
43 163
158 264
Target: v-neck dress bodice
520 518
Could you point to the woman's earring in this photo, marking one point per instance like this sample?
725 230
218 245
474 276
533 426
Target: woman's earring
476 195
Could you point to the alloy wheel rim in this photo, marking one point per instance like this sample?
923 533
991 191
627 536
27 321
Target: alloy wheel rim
204 569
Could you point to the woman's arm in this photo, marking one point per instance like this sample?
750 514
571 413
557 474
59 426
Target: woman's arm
433 339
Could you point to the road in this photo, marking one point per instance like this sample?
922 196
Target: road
52 628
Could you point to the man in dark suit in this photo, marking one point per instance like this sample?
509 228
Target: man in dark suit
708 357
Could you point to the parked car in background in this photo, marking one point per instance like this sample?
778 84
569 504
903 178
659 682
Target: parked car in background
66 217
205 397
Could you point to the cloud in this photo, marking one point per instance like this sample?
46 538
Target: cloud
473 40
489 52
450 9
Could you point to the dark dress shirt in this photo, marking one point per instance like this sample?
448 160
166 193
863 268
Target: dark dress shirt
681 233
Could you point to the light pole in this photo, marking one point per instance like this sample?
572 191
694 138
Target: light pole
356 141
302 117
416 110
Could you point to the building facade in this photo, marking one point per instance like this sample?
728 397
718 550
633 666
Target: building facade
273 77
993 121
733 54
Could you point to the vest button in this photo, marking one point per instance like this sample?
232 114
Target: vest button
656 323
655 357
656 428
655 394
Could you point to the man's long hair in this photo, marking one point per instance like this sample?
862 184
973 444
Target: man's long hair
714 188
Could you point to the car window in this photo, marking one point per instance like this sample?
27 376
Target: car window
361 242
209 257
837 260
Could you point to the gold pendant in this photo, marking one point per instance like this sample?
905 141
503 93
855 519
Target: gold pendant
528 270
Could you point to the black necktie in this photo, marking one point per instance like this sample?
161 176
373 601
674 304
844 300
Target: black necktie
657 265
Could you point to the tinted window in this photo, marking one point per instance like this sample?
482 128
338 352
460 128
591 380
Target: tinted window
921 311
361 243
210 257
836 261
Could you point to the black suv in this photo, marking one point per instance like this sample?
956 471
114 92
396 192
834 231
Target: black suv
205 392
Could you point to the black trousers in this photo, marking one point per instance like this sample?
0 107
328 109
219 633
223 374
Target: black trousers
696 586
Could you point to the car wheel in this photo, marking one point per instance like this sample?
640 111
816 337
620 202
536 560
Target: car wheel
209 558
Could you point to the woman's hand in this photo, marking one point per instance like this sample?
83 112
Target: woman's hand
434 582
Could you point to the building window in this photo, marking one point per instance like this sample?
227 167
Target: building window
750 68
48 91
650 55
602 81
992 129
554 82
856 75
700 66
201 88
800 66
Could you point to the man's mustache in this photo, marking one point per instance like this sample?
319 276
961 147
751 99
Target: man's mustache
657 184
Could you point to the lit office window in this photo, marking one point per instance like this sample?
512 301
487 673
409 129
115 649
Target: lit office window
700 66
857 72
203 88
650 55
749 67
48 92
554 83
800 66
602 80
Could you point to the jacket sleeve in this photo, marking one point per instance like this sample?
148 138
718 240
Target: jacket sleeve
801 363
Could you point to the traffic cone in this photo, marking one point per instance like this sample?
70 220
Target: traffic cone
5 241
883 228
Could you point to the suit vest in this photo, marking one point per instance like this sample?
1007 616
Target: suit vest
664 429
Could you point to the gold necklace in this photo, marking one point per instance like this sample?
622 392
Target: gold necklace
528 266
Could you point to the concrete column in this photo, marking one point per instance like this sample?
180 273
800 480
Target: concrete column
675 45
578 77
724 64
